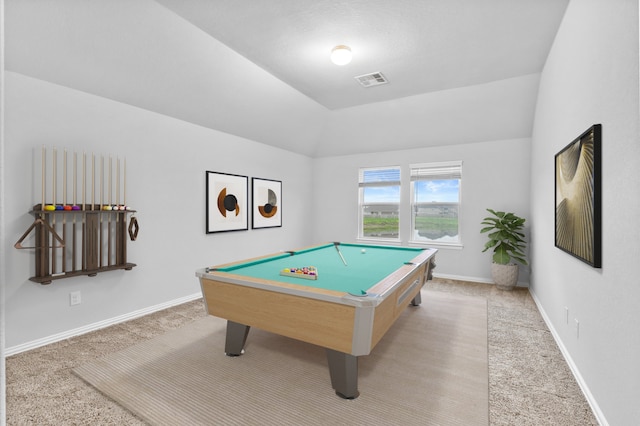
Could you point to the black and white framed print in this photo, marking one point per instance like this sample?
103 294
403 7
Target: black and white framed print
227 202
267 203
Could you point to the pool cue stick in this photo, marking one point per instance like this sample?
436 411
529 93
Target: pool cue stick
124 187
54 160
117 184
75 190
118 248
44 171
101 204
84 178
110 178
93 181
64 178
340 253
42 215
84 222
64 216
92 223
109 223
101 181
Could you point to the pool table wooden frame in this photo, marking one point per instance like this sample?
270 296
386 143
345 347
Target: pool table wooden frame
346 325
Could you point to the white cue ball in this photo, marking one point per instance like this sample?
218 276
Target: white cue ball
363 251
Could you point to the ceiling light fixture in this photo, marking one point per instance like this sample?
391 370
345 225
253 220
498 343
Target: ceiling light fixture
341 55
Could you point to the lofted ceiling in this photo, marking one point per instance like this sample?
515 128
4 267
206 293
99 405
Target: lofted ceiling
419 45
261 70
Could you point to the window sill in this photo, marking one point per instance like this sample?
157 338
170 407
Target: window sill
433 244
383 241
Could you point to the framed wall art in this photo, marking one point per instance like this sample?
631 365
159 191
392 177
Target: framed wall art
578 198
267 203
227 202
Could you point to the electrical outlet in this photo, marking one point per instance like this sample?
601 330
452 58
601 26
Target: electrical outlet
577 328
566 314
74 298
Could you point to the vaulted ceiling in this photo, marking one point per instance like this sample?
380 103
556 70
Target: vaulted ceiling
261 69
419 45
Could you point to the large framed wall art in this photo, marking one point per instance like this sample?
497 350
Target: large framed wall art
267 203
227 202
578 197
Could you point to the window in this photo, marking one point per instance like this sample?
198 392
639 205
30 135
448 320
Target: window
435 203
379 203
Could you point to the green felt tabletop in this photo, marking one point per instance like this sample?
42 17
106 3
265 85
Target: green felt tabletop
362 271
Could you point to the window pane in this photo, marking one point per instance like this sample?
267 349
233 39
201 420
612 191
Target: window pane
380 203
435 210
380 212
381 194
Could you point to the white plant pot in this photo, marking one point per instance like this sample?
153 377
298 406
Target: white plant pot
505 276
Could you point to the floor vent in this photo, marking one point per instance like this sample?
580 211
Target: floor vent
373 79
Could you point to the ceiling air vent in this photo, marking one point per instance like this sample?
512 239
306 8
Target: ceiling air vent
373 79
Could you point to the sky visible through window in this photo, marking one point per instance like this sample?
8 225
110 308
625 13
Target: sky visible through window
385 193
382 194
426 191
441 191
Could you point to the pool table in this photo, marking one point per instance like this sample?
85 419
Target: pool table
357 295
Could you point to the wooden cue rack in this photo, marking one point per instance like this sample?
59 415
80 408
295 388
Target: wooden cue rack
90 258
74 239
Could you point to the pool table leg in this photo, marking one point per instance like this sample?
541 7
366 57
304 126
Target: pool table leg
236 338
343 369
416 300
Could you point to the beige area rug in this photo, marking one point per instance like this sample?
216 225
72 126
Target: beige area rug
431 368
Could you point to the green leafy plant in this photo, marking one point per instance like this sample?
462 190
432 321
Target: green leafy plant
505 237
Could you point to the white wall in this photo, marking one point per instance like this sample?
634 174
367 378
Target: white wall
591 76
166 163
495 175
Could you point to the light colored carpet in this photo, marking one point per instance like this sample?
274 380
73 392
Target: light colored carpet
430 369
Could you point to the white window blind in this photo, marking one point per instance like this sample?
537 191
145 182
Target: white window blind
449 170
387 176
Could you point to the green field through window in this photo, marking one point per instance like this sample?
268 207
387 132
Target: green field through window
432 228
380 226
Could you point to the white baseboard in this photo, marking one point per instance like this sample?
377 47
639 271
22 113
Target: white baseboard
97 325
574 369
472 279
462 278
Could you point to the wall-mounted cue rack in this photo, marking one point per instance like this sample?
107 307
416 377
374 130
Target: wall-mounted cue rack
81 235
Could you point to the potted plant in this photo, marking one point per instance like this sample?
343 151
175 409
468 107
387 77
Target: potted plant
507 240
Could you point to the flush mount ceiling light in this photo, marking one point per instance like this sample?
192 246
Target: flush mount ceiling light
341 55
